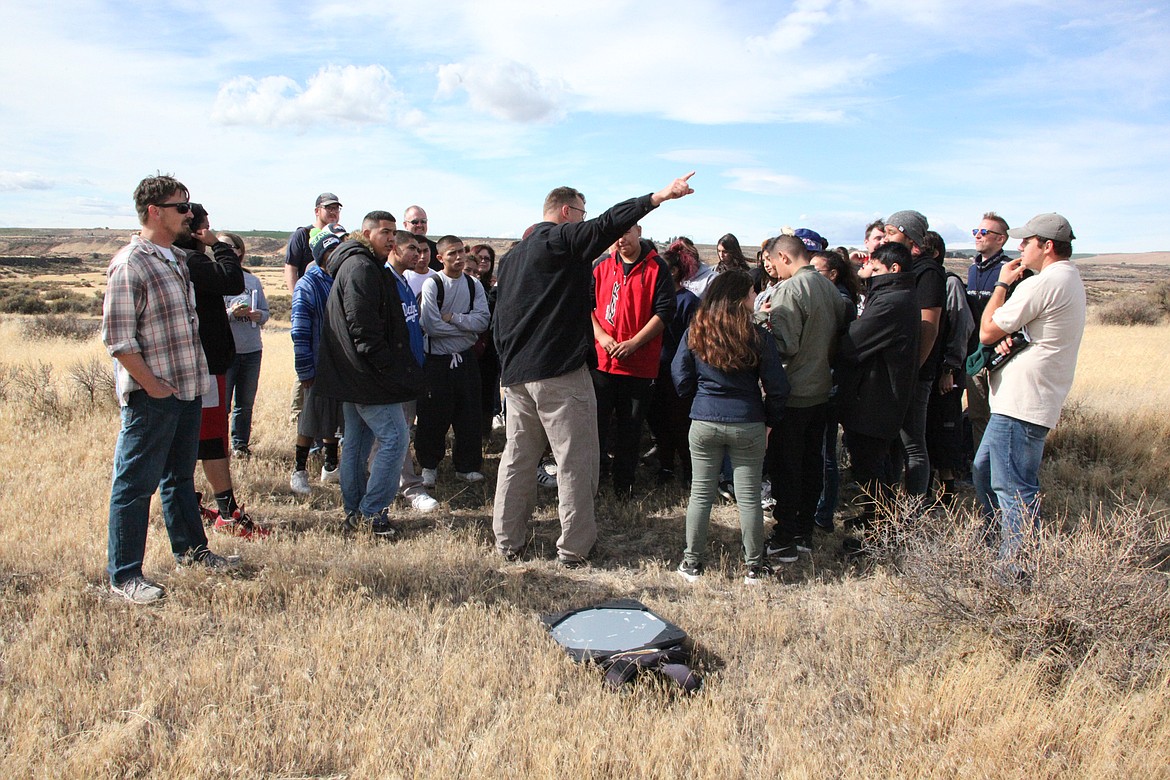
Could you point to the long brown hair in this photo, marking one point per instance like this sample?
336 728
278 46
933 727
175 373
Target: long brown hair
722 334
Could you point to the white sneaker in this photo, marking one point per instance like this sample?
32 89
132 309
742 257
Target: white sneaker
424 503
429 476
766 500
299 482
328 475
499 422
469 476
545 480
138 590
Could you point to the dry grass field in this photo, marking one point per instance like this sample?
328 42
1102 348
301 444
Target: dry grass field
333 656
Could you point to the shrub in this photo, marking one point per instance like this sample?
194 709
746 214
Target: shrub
280 306
1131 310
93 382
54 326
1094 597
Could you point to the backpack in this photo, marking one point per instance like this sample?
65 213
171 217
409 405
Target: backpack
441 293
624 637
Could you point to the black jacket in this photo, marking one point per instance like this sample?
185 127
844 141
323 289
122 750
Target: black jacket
213 279
543 301
364 355
877 358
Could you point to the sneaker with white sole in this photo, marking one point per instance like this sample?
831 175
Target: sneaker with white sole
429 476
330 474
499 422
691 572
208 560
424 503
546 480
754 575
299 482
138 590
469 476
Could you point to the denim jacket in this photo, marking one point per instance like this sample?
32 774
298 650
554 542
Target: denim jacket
733 397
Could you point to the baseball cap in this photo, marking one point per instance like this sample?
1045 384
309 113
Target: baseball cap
912 223
1051 226
811 238
327 199
328 237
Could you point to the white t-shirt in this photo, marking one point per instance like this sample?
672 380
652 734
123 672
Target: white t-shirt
1050 308
415 280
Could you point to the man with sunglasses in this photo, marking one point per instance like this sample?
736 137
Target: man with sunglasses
415 219
990 237
1028 391
298 255
150 328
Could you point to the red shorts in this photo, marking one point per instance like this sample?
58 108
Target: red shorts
213 432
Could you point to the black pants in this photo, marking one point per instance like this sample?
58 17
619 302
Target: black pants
873 464
451 400
624 398
669 418
797 469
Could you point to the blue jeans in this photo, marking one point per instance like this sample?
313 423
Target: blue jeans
744 443
370 491
157 445
243 377
1006 473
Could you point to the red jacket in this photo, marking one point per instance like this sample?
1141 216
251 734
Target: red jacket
624 303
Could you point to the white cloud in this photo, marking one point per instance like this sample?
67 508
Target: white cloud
762 181
506 89
11 181
357 94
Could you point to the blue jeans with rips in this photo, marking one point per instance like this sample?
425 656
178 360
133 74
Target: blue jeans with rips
1006 473
243 378
370 491
157 445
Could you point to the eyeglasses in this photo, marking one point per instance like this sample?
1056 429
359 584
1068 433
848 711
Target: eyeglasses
416 222
583 211
981 232
181 208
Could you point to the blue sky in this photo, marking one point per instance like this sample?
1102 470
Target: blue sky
818 113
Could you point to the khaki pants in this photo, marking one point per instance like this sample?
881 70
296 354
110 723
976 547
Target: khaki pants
296 402
978 407
563 412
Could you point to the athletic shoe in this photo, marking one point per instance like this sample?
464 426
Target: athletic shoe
138 590
691 572
209 515
499 422
824 526
573 563
727 491
511 556
754 575
545 480
241 452
381 527
241 525
429 476
469 476
549 465
330 474
424 503
209 560
766 500
802 544
299 482
785 552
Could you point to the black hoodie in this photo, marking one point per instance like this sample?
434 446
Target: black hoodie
365 356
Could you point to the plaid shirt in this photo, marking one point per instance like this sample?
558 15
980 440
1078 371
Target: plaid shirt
150 309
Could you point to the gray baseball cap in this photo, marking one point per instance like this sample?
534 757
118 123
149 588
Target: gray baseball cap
912 223
1051 226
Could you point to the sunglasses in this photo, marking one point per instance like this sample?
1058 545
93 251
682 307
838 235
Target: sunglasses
182 208
416 222
981 232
